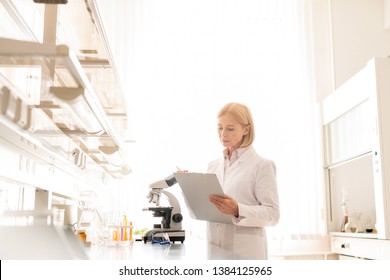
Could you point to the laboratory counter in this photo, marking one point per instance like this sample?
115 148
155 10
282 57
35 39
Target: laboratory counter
191 249
60 243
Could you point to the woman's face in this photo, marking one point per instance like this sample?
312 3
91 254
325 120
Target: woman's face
231 132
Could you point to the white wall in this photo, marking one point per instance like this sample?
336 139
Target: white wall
347 33
322 48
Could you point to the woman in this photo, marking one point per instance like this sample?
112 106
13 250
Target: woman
249 182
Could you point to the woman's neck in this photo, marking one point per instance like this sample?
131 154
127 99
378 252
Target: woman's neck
230 151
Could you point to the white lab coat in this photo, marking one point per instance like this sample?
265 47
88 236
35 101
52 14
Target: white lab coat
251 181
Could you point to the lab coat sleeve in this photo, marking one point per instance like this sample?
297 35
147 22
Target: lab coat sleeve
266 212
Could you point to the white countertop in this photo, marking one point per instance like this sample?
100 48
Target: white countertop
50 242
192 249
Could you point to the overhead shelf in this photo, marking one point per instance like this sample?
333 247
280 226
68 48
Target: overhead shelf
56 83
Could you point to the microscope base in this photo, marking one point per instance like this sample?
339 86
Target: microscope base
174 235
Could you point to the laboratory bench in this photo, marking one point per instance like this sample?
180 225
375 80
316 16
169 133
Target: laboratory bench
192 248
43 242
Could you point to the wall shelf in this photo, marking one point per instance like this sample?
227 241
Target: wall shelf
69 99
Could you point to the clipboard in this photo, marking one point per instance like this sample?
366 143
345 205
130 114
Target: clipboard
196 188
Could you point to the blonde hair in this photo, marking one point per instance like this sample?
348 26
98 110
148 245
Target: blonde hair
243 115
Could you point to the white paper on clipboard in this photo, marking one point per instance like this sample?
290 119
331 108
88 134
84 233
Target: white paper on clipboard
196 188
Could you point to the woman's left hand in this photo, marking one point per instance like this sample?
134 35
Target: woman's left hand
226 205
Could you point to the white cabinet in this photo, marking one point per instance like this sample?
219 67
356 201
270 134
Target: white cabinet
356 119
361 247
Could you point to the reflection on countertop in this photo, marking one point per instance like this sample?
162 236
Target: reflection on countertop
49 242
192 249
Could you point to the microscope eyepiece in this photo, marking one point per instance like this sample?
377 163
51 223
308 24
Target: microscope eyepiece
170 180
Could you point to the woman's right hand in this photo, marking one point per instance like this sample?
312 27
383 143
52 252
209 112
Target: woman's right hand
179 170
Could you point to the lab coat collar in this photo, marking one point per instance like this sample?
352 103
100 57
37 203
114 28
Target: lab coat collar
236 153
244 155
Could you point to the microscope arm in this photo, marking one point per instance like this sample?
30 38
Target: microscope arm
173 201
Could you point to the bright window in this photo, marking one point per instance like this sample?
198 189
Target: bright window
185 59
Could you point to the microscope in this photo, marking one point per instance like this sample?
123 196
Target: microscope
171 216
